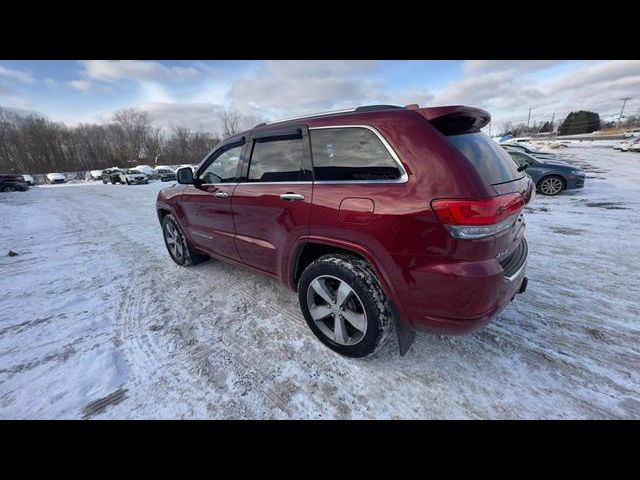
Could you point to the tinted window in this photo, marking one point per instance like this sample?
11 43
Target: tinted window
224 167
276 160
351 154
490 159
519 158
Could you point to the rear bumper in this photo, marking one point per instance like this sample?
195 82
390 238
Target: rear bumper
465 297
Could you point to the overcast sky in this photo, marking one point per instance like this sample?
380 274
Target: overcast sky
189 92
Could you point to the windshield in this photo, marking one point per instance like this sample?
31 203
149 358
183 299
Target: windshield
491 161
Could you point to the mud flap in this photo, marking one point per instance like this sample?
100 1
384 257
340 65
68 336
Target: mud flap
406 336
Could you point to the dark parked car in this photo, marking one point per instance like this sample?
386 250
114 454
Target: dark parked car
378 216
529 151
165 174
111 175
13 183
550 176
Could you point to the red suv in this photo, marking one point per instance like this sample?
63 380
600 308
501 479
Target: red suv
378 216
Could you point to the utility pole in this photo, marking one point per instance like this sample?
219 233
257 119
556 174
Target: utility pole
622 110
551 126
528 118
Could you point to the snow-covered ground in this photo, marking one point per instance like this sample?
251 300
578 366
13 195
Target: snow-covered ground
93 306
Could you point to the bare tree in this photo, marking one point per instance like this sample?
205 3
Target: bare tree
230 120
132 128
34 144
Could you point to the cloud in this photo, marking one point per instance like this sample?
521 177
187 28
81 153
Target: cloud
115 70
196 116
79 85
508 93
19 75
15 103
483 66
422 97
50 82
297 87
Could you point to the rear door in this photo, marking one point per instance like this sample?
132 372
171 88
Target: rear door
207 203
272 203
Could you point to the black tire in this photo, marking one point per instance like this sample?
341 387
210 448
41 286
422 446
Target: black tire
189 256
362 280
551 179
104 181
8 189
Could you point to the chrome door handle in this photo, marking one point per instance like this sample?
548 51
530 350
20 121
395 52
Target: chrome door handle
292 197
222 194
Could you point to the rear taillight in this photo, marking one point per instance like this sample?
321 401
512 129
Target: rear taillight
478 218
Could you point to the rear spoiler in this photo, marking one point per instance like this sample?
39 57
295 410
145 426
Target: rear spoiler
455 119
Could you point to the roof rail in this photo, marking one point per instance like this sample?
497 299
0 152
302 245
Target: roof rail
366 108
373 108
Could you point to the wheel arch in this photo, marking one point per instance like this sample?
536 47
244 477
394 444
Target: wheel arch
307 249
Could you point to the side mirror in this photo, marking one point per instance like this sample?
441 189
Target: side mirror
184 176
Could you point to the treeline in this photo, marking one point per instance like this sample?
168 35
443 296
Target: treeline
523 130
580 122
574 124
34 144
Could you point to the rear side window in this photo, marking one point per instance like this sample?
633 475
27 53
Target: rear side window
492 162
276 160
356 153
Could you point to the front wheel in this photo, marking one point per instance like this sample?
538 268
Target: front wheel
344 305
177 245
551 185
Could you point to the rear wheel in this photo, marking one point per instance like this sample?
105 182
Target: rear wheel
344 305
8 189
551 185
177 245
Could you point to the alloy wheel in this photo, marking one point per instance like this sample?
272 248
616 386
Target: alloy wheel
551 186
337 310
174 241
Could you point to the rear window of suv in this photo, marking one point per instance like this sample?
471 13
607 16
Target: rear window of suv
490 159
353 153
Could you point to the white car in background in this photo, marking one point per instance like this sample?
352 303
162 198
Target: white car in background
628 145
55 178
146 169
95 174
132 176
28 179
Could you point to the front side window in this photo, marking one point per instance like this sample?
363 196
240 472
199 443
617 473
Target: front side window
276 160
343 154
223 168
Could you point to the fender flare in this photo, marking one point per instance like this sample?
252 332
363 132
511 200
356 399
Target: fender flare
368 255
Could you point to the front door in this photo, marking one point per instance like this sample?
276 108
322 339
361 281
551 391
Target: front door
272 203
207 203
